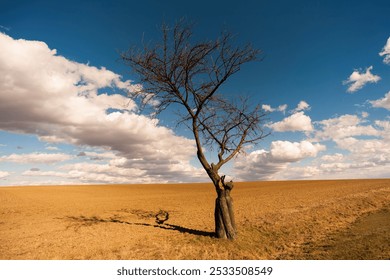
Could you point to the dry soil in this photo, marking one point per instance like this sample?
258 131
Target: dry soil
341 219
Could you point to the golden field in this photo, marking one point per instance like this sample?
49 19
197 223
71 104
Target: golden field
341 219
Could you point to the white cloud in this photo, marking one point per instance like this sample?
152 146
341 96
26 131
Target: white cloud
280 108
52 148
375 150
386 52
106 155
296 122
335 167
302 106
35 158
286 151
261 164
257 165
298 172
116 172
92 173
366 148
33 172
362 150
4 174
267 108
358 80
333 157
59 100
343 127
383 102
385 129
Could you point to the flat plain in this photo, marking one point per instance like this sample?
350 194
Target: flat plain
340 219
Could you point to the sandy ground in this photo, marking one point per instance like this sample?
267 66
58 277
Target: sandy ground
345 219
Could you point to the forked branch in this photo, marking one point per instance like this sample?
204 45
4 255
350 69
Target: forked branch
191 75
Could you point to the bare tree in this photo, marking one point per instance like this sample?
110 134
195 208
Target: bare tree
188 76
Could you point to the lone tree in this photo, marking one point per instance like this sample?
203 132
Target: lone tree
178 72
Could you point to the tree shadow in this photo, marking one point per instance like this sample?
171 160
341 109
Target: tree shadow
188 230
93 220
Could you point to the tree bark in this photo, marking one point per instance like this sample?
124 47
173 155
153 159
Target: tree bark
225 225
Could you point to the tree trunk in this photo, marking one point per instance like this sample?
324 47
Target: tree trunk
225 225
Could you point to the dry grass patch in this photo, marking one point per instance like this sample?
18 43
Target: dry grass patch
276 220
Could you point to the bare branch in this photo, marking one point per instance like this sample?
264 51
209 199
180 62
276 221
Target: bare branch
179 71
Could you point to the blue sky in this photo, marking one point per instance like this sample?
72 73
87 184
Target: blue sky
324 79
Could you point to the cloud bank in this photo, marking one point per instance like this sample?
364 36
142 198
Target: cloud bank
265 165
62 101
36 158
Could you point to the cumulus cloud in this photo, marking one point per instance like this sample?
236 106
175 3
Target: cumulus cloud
358 80
361 150
366 159
35 158
301 172
38 172
302 106
333 157
262 164
366 148
286 151
44 90
363 158
344 127
296 122
383 102
4 174
114 172
60 100
375 149
386 52
79 175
